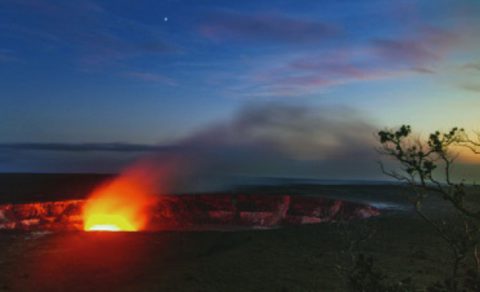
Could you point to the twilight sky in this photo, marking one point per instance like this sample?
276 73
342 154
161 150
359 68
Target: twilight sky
85 82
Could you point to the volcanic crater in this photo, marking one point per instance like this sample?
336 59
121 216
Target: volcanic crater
216 211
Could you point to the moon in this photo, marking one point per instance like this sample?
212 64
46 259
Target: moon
165 19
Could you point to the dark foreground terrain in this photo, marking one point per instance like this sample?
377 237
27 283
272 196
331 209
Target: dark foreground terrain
303 258
296 258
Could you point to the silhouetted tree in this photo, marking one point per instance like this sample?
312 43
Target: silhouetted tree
426 166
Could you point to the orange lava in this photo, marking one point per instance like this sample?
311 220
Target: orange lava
121 205
102 222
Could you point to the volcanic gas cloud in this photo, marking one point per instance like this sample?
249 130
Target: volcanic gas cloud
270 140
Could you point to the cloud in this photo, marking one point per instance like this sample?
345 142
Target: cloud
150 77
472 66
307 73
7 56
341 67
423 49
84 147
404 50
266 28
294 130
275 139
91 33
261 139
471 70
304 73
471 87
423 70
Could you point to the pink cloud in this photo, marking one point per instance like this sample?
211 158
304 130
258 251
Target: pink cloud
266 28
428 46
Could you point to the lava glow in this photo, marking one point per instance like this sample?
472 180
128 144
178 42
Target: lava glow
102 222
121 205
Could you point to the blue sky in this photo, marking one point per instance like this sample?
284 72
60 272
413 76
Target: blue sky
157 72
